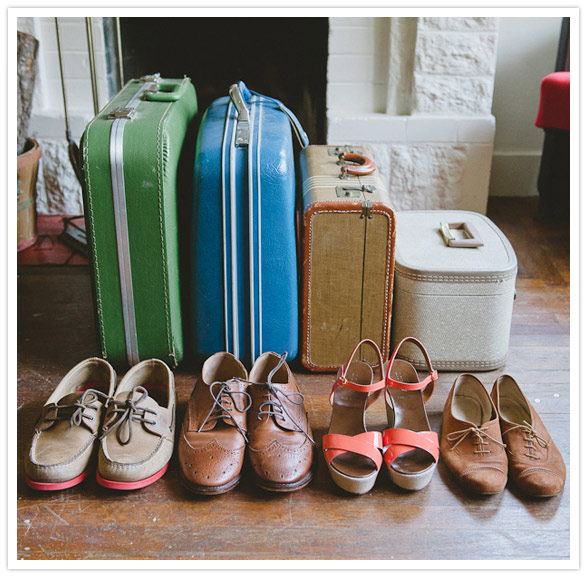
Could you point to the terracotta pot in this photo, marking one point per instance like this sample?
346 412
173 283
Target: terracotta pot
27 167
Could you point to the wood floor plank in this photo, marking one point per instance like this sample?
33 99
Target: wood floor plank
163 521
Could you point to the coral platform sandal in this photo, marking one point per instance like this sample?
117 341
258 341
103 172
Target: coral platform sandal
410 448
352 453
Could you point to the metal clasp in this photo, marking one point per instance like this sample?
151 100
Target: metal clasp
151 77
242 123
127 113
353 191
366 205
338 150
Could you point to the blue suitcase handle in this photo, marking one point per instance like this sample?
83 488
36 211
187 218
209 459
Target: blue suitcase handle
246 94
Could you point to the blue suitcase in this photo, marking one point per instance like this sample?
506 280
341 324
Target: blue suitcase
244 268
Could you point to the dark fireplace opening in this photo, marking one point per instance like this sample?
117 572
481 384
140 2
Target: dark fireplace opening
285 58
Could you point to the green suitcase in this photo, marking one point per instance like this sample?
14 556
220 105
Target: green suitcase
131 152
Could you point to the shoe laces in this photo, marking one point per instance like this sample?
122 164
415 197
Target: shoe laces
223 401
479 440
76 411
273 400
127 412
530 436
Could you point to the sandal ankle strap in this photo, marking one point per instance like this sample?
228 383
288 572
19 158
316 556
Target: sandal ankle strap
427 384
342 380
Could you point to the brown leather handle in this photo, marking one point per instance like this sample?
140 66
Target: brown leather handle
360 165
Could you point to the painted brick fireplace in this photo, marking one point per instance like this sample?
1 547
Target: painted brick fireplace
418 91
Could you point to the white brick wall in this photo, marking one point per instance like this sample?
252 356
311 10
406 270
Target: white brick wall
58 191
454 66
76 67
357 66
438 75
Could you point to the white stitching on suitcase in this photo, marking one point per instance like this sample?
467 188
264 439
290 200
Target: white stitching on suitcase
463 279
456 364
387 268
92 232
170 347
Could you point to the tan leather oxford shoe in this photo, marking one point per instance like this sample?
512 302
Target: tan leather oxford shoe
471 445
536 465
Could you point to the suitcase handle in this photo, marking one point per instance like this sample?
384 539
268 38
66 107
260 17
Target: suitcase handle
472 238
240 91
360 165
242 123
167 91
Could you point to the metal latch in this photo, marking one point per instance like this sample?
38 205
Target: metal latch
242 123
151 77
338 150
366 205
127 113
353 191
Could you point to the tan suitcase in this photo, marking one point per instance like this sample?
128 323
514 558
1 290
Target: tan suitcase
349 241
456 296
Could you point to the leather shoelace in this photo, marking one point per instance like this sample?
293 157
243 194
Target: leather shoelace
128 411
480 433
530 437
222 405
76 412
273 402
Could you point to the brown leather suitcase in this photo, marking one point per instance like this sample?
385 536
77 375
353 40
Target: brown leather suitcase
348 247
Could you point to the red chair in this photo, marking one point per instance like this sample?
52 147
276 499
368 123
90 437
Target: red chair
554 118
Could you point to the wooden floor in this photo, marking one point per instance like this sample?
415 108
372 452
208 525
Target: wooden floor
56 330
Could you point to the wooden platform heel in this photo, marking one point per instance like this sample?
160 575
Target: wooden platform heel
352 453
410 447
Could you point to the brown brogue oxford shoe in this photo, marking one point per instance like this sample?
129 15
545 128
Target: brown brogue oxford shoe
281 446
212 442
536 465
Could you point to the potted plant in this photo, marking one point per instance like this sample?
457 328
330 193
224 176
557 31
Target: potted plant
29 153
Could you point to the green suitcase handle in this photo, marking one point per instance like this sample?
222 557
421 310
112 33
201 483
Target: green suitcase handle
168 92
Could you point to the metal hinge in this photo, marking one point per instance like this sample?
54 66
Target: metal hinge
367 205
341 150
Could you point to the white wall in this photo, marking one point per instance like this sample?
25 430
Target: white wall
526 52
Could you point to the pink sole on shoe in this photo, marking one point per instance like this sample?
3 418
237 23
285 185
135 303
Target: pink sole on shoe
114 485
49 486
